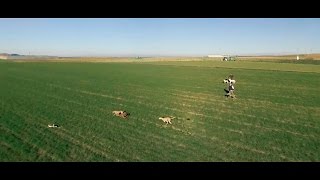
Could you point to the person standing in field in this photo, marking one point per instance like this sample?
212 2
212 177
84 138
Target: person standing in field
230 90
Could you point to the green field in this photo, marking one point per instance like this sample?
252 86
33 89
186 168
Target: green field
275 117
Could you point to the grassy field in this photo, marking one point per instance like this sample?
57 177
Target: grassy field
275 116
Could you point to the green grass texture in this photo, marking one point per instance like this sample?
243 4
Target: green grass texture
274 117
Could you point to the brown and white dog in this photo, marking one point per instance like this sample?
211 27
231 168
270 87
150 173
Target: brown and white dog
167 119
122 114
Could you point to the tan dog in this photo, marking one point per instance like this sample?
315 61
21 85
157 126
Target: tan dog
167 119
122 114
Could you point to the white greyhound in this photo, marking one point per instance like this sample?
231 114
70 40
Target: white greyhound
167 119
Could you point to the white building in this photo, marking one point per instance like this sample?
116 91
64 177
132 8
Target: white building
216 56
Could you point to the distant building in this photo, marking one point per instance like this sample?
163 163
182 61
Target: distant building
215 56
223 57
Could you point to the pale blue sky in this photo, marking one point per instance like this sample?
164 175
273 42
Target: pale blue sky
159 36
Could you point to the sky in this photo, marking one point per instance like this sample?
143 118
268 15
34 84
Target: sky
159 36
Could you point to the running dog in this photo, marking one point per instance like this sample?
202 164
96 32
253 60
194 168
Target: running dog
122 114
167 119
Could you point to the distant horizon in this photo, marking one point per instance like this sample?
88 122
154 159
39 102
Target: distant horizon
163 55
121 56
194 37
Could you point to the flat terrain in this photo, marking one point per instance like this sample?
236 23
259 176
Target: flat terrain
275 117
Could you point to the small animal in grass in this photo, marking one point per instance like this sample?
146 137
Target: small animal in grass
167 119
122 114
53 126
